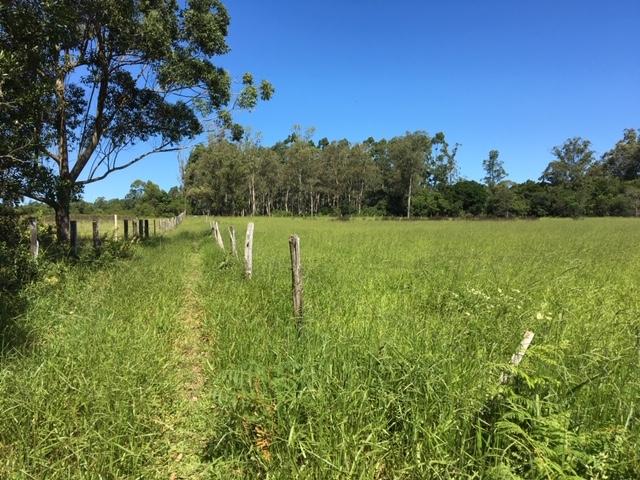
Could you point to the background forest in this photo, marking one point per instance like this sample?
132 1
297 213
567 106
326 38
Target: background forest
411 175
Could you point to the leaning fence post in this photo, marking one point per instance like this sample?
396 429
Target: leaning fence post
217 235
115 227
296 277
248 252
517 357
74 237
96 235
126 229
35 245
232 236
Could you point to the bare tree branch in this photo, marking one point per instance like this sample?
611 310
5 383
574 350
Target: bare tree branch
113 168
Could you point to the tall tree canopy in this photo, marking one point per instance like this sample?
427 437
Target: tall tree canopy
83 81
623 160
494 169
573 159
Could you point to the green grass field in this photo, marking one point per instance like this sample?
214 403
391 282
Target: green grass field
172 365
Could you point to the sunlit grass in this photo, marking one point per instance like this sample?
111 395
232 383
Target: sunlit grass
395 373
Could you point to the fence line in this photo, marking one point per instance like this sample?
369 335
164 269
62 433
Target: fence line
139 231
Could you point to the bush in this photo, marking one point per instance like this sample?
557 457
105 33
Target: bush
17 268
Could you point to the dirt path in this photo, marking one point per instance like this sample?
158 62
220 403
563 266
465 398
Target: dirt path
186 438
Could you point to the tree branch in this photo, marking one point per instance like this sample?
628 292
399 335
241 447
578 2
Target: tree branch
161 149
99 124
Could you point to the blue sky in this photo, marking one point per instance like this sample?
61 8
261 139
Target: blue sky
517 76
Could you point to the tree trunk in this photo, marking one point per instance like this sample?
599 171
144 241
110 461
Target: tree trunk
409 198
62 221
253 197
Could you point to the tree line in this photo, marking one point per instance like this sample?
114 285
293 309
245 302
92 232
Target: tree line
415 174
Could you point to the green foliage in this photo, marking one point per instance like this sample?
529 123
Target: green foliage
414 174
90 79
573 160
17 267
623 161
494 169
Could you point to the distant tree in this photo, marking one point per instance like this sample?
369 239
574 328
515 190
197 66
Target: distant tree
408 155
472 196
494 169
633 192
323 143
623 160
442 169
573 159
105 76
505 202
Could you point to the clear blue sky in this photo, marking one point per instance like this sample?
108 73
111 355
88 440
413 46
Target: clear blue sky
518 76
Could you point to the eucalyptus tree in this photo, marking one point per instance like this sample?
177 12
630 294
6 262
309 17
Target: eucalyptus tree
494 169
364 174
442 168
107 75
623 160
334 157
573 160
407 156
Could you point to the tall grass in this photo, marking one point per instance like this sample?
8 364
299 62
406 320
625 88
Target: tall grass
89 392
395 373
407 327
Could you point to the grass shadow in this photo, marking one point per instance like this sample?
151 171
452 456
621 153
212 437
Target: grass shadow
14 337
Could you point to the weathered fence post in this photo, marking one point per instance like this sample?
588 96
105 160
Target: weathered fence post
217 235
146 228
96 235
115 227
296 277
140 229
74 237
35 245
126 229
134 228
248 252
154 227
517 357
232 237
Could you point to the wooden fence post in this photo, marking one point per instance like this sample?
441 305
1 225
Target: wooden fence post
96 235
517 357
115 227
35 245
146 228
134 228
217 235
248 252
74 237
126 229
296 277
154 227
232 237
140 229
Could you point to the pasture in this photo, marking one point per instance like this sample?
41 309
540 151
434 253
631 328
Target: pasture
172 365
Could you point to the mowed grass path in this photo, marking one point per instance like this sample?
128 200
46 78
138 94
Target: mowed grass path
171 365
